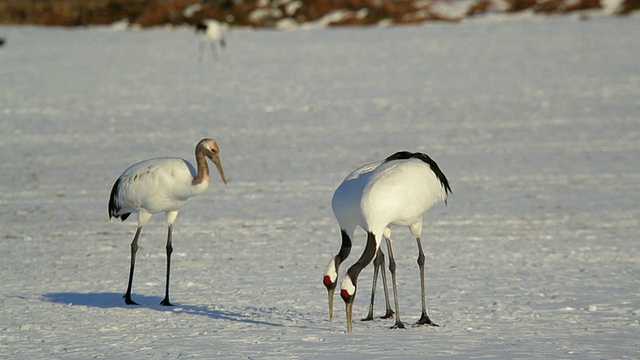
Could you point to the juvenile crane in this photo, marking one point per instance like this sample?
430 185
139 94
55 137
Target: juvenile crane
396 191
161 185
347 212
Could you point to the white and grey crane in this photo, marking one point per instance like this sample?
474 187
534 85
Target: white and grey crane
395 191
161 185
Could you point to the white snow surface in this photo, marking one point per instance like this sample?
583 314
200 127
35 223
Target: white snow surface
535 122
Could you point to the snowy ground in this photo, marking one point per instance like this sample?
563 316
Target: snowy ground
536 123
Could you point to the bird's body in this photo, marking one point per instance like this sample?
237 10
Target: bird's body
155 185
396 191
161 185
211 29
345 202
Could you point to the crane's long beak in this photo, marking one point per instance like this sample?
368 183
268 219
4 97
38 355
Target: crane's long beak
330 291
218 164
349 307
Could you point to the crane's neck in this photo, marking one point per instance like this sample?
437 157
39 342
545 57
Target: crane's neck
369 253
203 170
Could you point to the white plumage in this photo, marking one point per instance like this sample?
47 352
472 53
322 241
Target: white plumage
156 185
161 185
396 191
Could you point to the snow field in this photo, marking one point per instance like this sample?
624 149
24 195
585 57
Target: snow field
534 122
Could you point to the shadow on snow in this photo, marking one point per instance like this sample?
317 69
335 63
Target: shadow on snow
114 300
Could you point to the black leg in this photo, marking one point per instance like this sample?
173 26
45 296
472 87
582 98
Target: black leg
424 318
392 267
388 313
134 250
166 302
377 263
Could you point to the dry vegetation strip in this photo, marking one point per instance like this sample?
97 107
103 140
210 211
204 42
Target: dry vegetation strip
243 12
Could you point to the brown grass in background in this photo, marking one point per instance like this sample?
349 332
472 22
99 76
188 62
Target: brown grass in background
242 12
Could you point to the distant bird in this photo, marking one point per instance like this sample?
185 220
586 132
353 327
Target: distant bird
2 42
161 185
346 209
396 191
212 32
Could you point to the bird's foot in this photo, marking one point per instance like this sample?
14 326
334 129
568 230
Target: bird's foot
128 301
424 320
368 318
165 302
388 315
398 325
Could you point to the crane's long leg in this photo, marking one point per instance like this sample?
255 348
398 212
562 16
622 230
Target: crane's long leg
169 247
389 313
201 49
379 264
214 49
424 319
376 269
392 268
134 250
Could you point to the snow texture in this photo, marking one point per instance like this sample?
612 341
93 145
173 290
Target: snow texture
535 122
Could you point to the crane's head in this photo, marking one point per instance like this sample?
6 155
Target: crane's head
329 280
210 149
330 277
348 294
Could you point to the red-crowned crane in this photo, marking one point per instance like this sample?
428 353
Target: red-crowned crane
396 191
161 185
347 212
212 32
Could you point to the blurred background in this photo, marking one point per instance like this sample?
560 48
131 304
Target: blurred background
285 13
